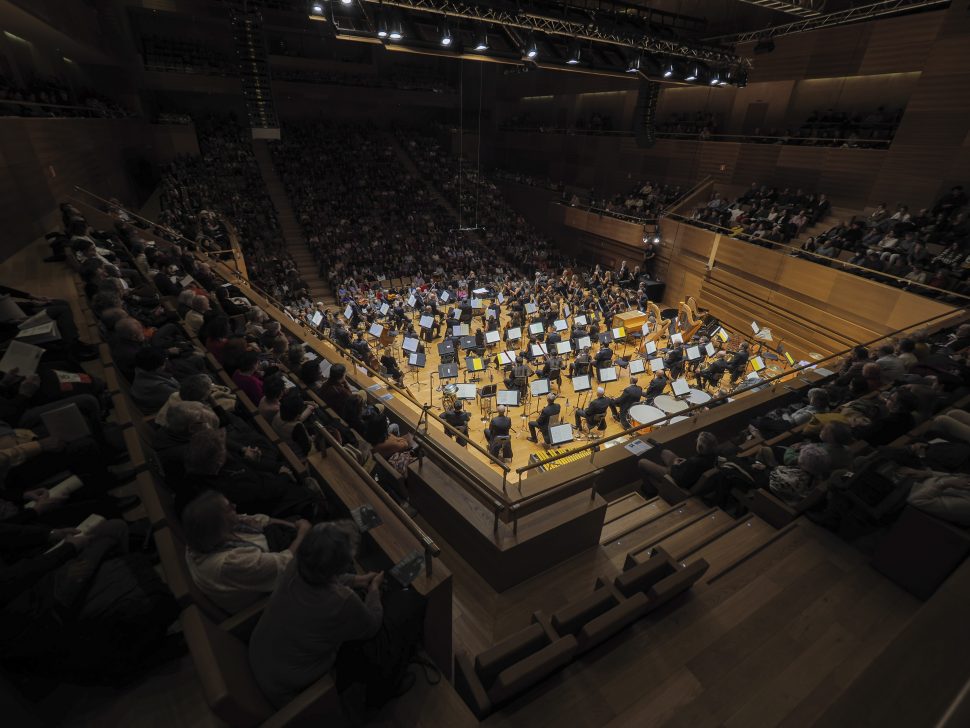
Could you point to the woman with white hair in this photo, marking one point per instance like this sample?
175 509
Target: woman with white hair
231 556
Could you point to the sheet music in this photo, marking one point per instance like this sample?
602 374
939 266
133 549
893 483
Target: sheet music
22 357
656 365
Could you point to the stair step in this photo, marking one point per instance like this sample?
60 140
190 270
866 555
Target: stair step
736 545
617 529
667 521
622 506
698 534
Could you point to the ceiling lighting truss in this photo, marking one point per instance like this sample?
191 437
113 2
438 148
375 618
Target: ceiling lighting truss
801 8
844 17
591 30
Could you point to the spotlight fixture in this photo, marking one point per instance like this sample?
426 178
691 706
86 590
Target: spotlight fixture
482 43
346 2
693 75
381 25
532 50
316 12
575 53
396 33
715 80
634 65
669 71
446 36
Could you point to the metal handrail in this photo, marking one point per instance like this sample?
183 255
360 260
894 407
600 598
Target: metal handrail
829 262
610 213
692 409
431 549
757 138
686 196
738 138
94 113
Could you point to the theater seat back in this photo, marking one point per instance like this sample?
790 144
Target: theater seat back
222 663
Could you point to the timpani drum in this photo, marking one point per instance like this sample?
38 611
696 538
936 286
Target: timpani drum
641 414
668 404
697 396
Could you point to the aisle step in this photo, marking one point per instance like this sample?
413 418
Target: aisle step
751 536
666 521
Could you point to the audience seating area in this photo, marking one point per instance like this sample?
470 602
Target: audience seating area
216 637
53 97
931 247
184 55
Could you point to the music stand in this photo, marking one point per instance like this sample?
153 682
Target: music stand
448 371
410 344
474 364
581 387
680 387
536 328
467 391
492 337
508 397
560 325
709 349
539 350
446 348
530 308
583 342
560 434
316 319
513 334
467 343
564 347
384 309
581 320
637 366
677 338
607 374
656 365
426 322
605 338
376 330
693 353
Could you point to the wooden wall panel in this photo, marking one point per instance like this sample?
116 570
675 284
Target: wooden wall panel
896 42
43 159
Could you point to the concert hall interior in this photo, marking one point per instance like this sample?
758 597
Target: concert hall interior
444 363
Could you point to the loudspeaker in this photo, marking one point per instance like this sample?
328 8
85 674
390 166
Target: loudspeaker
645 113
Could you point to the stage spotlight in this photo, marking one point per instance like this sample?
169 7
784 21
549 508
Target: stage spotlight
381 26
532 50
656 238
670 71
396 33
346 2
446 36
693 74
482 43
316 12
715 80
634 65
575 54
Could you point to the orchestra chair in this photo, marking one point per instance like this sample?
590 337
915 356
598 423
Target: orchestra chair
590 427
553 421
486 397
501 444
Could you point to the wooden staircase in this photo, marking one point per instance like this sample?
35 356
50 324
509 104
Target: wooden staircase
292 232
635 525
845 214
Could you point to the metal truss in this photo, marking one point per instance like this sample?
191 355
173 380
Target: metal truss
801 8
843 17
591 30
